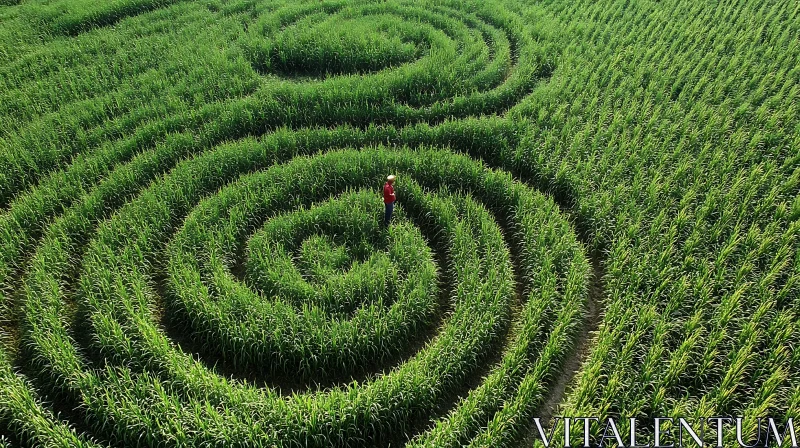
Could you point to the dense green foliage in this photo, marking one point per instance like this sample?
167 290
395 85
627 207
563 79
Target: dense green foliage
190 242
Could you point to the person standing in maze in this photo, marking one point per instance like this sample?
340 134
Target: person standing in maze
388 199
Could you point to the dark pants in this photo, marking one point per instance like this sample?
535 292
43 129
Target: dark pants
388 218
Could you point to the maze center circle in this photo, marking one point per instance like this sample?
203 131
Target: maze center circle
336 46
316 256
320 260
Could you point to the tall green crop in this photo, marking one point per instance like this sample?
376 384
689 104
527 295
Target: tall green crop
597 216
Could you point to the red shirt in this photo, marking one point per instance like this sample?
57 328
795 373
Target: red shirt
388 193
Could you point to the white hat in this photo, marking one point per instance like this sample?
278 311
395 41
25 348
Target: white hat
391 177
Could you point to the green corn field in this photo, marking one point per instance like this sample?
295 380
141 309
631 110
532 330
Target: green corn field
598 215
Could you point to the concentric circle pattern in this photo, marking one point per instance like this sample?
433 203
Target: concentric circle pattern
191 243
398 61
460 207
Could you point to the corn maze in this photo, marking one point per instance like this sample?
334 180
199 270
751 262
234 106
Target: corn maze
598 214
